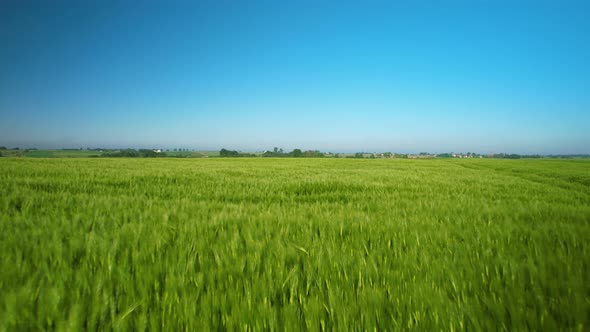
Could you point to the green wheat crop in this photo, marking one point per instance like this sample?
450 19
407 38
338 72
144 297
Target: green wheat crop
294 244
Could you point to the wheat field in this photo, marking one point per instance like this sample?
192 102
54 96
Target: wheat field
294 244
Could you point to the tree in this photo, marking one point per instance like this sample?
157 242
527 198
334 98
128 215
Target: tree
312 154
296 153
228 153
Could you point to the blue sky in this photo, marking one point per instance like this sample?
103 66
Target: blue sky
402 76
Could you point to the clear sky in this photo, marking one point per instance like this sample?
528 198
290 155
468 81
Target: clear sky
401 76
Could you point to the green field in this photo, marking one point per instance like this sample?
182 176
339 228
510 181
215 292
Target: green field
292 244
50 153
34 153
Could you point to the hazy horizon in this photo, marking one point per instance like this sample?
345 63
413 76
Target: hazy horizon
485 77
286 150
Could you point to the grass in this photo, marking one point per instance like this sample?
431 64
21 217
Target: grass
294 244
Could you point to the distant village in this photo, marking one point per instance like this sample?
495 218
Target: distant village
275 152
278 152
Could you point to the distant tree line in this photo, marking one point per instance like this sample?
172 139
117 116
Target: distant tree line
515 156
275 152
296 153
568 156
280 153
132 153
233 153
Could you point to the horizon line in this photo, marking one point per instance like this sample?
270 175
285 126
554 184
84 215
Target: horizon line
367 151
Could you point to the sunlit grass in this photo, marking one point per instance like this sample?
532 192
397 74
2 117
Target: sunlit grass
201 244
